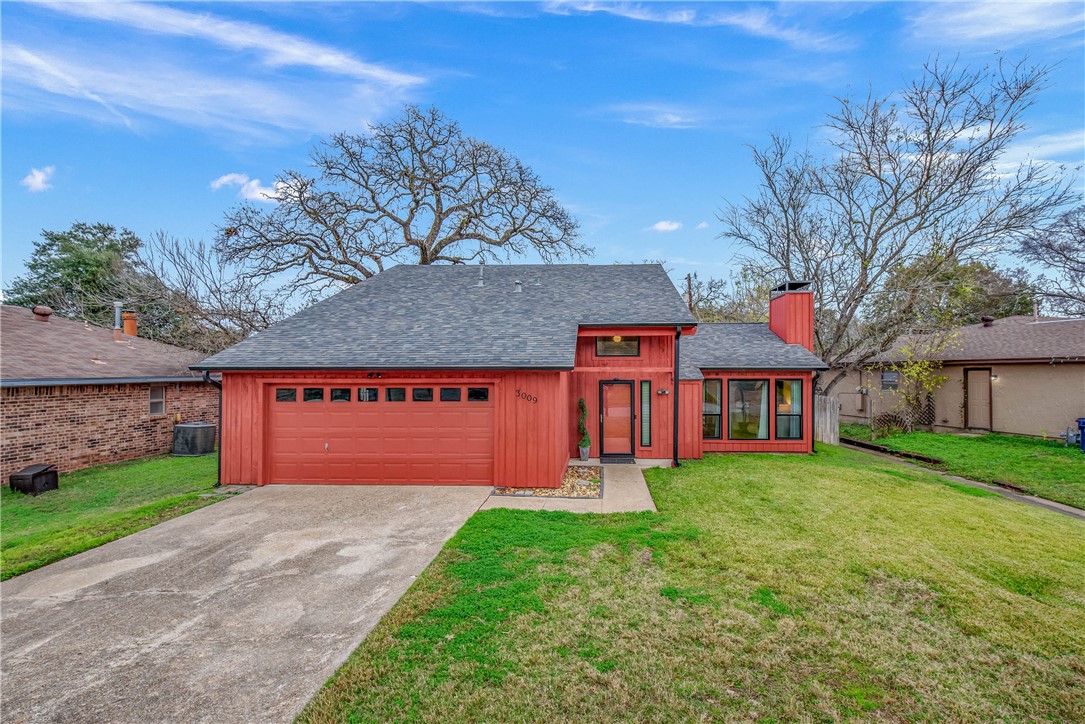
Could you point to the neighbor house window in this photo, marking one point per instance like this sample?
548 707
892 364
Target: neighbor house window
712 414
340 394
396 394
450 394
367 394
645 413
313 394
617 346
157 404
286 394
478 394
890 379
788 409
422 394
748 410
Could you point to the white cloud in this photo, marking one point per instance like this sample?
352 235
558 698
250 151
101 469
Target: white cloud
277 49
1067 147
760 22
666 226
702 225
1009 23
38 179
249 189
656 115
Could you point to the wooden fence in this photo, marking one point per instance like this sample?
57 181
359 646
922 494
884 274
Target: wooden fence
827 419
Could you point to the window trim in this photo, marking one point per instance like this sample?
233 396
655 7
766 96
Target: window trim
704 387
484 389
415 394
292 390
331 394
305 390
894 385
388 394
776 415
602 337
365 391
457 390
770 389
151 401
645 413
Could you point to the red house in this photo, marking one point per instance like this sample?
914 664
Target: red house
472 375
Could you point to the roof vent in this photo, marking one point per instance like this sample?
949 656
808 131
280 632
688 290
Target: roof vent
42 312
519 286
987 321
481 268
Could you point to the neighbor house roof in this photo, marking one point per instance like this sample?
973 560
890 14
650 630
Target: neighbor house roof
416 317
730 346
63 351
1018 338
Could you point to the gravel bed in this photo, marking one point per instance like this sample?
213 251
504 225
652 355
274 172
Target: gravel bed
579 482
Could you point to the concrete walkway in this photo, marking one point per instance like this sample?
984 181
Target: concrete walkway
624 491
1004 492
237 612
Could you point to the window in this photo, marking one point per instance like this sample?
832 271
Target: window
645 413
747 410
396 394
422 394
890 379
478 394
313 394
788 409
617 346
157 404
286 394
340 394
712 414
367 394
450 394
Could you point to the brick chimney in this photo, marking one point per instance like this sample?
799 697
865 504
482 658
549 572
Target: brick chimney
791 313
128 317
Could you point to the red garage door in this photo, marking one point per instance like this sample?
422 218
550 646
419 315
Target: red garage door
424 434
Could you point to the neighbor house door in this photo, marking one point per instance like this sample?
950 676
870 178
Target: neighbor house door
977 392
616 418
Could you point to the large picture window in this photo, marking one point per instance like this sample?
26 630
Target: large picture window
748 410
788 409
712 413
617 346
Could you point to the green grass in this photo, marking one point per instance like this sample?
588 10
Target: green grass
97 505
1045 468
767 587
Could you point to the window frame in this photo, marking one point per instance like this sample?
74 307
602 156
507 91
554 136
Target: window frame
388 394
418 394
704 389
645 413
151 401
887 385
305 394
331 394
293 394
457 390
769 389
364 396
777 414
609 337
484 390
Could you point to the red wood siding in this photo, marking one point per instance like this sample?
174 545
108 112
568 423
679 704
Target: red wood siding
770 445
791 317
530 443
689 427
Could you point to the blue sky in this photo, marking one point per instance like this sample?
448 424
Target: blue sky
639 115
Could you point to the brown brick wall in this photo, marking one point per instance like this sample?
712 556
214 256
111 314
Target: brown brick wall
78 426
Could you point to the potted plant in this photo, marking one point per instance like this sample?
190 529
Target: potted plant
581 428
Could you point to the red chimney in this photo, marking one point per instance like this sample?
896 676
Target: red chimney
791 314
128 319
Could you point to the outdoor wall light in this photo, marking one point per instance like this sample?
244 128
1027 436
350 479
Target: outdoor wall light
994 378
616 338
662 392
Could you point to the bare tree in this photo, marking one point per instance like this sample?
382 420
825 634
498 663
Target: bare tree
742 298
1060 249
913 178
415 190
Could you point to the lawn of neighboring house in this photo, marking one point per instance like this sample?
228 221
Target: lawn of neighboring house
97 505
767 587
1046 468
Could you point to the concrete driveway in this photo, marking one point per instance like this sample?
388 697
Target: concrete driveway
237 612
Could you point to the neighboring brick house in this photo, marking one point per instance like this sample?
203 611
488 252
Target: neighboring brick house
73 394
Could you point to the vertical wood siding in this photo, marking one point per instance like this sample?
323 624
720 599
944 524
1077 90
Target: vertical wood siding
791 317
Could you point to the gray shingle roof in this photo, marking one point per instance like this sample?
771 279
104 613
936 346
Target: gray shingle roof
730 346
416 317
1011 338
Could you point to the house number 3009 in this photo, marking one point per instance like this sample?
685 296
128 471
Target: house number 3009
526 397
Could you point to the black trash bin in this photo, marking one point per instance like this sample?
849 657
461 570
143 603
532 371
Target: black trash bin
193 438
35 479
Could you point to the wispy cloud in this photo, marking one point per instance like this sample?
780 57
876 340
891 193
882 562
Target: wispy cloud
1008 23
702 225
1054 148
249 189
655 115
275 48
665 226
759 21
38 179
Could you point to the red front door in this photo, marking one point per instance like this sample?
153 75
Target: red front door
617 418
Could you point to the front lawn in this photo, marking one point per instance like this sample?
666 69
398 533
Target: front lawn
1045 468
767 587
97 505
